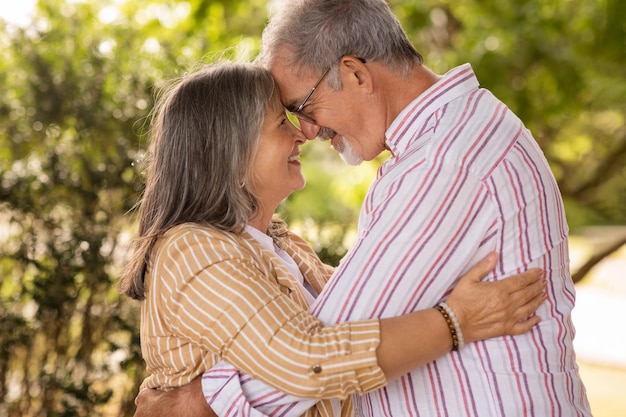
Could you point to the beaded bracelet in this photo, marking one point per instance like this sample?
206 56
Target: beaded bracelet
453 325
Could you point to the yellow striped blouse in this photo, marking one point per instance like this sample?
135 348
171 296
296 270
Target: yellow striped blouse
212 295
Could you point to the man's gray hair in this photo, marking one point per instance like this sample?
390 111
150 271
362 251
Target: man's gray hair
317 33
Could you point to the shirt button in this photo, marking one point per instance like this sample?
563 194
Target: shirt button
316 369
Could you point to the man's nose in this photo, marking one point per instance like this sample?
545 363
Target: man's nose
310 130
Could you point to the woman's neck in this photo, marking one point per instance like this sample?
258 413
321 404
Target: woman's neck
261 221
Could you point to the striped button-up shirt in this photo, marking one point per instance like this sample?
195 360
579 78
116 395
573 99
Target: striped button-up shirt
465 178
213 296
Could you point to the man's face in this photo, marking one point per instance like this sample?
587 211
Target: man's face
341 116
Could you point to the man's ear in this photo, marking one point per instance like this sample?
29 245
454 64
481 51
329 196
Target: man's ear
355 72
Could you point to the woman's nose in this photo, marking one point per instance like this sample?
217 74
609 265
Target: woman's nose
299 136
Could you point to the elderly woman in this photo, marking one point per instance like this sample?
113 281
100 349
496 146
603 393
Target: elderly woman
222 279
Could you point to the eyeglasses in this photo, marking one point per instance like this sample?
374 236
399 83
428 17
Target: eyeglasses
295 115
297 112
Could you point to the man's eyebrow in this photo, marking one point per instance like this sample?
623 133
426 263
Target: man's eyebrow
291 106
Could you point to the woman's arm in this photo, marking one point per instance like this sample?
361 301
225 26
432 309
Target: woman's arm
484 310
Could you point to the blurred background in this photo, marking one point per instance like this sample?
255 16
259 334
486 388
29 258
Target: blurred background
77 79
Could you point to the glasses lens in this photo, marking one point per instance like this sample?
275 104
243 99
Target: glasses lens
293 118
297 118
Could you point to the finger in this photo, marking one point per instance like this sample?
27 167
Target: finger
531 307
529 293
139 397
481 269
522 313
522 280
524 326
146 397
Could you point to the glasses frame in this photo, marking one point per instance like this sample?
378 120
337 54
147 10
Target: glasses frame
298 111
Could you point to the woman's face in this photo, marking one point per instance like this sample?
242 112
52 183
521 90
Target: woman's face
276 166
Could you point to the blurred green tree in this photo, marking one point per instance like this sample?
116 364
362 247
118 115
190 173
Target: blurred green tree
560 66
77 89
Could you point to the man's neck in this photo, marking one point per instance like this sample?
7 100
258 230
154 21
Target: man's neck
406 89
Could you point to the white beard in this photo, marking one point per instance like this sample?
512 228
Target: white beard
347 153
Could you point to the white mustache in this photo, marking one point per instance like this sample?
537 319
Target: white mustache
326 133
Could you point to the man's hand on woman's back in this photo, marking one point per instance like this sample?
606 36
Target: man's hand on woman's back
186 401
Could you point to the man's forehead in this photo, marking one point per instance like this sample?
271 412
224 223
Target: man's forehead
288 83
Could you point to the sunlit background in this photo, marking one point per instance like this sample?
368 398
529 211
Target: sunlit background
601 297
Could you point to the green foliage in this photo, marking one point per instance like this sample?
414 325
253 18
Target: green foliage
560 66
77 88
325 212
68 145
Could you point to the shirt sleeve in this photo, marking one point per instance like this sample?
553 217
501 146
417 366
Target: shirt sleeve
231 393
215 293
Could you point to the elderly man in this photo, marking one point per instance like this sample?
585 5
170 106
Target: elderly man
464 178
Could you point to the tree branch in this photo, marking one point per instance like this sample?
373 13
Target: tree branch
595 259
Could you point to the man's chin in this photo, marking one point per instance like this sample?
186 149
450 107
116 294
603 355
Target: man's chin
338 144
346 152
352 160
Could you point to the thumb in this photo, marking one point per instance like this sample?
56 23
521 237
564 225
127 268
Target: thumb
481 269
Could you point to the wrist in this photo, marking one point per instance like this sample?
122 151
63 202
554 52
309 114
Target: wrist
456 334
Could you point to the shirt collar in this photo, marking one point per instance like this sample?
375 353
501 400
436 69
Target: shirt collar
453 84
261 237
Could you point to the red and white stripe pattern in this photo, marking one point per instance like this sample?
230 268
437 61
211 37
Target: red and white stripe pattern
466 177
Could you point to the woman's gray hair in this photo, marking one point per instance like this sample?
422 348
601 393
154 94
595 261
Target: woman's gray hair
317 33
205 131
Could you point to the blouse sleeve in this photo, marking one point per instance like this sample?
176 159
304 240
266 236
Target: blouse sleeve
216 294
